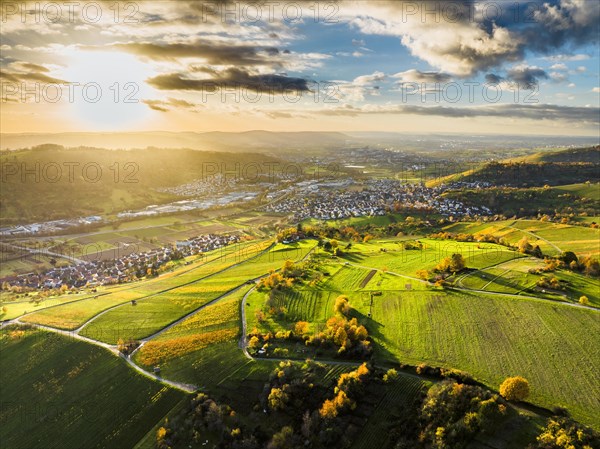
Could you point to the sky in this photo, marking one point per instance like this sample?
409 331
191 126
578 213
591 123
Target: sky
501 67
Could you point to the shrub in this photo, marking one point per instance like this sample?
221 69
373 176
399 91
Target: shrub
391 375
564 433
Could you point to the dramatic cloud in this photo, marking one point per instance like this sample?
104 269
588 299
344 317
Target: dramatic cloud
566 22
360 87
464 37
231 78
367 80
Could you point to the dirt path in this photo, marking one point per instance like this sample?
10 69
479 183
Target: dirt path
510 295
188 388
537 237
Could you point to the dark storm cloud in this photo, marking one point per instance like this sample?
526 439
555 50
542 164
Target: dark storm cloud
231 78
493 79
563 23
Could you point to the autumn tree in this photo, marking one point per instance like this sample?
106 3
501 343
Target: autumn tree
524 246
452 264
301 328
278 398
391 375
254 343
457 263
342 305
564 433
514 388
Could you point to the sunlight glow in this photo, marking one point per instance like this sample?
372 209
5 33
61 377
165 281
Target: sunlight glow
108 88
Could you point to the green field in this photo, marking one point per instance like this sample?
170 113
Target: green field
552 238
514 277
494 338
62 393
491 337
152 314
584 189
407 262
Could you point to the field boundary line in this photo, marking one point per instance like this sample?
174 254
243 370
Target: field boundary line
185 284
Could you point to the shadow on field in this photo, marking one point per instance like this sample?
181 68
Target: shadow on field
375 329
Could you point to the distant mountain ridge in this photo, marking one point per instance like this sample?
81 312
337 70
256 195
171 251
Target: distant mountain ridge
208 141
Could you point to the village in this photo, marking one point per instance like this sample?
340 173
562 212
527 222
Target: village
340 199
92 273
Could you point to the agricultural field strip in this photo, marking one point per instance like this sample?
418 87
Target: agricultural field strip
481 270
535 298
389 272
113 348
234 285
174 287
86 297
214 301
45 252
518 287
143 341
70 237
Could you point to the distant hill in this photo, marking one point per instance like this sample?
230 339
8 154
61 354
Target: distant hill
51 182
555 168
589 154
254 141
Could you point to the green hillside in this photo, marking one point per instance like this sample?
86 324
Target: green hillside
569 166
62 393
